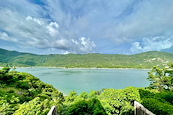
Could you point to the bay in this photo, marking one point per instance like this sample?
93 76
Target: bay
80 80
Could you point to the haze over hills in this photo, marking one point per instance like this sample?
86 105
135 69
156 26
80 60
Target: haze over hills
141 60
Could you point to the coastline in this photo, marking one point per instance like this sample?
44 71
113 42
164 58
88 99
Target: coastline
79 67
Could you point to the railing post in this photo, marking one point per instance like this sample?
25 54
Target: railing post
53 111
141 110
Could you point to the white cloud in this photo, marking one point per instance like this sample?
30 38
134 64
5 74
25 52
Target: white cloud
53 29
3 35
147 18
34 31
29 18
83 41
6 37
152 44
59 26
86 45
66 52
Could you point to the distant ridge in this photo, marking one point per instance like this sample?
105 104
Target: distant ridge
141 60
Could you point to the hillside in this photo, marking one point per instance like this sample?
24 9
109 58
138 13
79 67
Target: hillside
141 60
19 90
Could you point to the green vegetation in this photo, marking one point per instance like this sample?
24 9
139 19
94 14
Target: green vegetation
107 101
161 100
24 94
159 103
161 78
142 60
21 92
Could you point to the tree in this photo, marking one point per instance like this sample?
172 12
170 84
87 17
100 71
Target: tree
37 106
161 78
6 69
118 101
72 96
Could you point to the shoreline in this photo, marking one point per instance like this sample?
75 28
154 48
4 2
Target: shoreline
80 68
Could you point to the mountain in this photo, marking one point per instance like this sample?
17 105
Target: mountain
141 60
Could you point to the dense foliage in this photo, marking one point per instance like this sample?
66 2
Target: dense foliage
24 94
142 60
158 102
106 101
161 78
161 101
119 101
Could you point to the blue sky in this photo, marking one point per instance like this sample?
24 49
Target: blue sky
86 26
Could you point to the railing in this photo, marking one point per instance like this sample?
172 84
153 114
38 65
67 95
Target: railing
53 111
141 110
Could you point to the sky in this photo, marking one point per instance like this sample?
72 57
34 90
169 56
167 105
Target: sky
86 26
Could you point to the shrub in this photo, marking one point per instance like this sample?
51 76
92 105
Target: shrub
84 107
166 95
23 85
158 107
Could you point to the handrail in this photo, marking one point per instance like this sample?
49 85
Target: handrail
53 111
141 110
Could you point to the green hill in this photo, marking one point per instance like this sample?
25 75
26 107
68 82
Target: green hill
141 60
19 90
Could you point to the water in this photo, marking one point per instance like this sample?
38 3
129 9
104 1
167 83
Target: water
79 80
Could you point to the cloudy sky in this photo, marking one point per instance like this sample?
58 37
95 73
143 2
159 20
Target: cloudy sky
86 26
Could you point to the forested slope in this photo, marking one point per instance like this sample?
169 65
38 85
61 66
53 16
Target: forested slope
142 60
24 94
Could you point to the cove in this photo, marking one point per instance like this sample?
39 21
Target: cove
80 80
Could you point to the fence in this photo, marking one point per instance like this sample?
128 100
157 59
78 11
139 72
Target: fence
53 111
141 110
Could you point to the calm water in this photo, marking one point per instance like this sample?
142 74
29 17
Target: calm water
80 80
